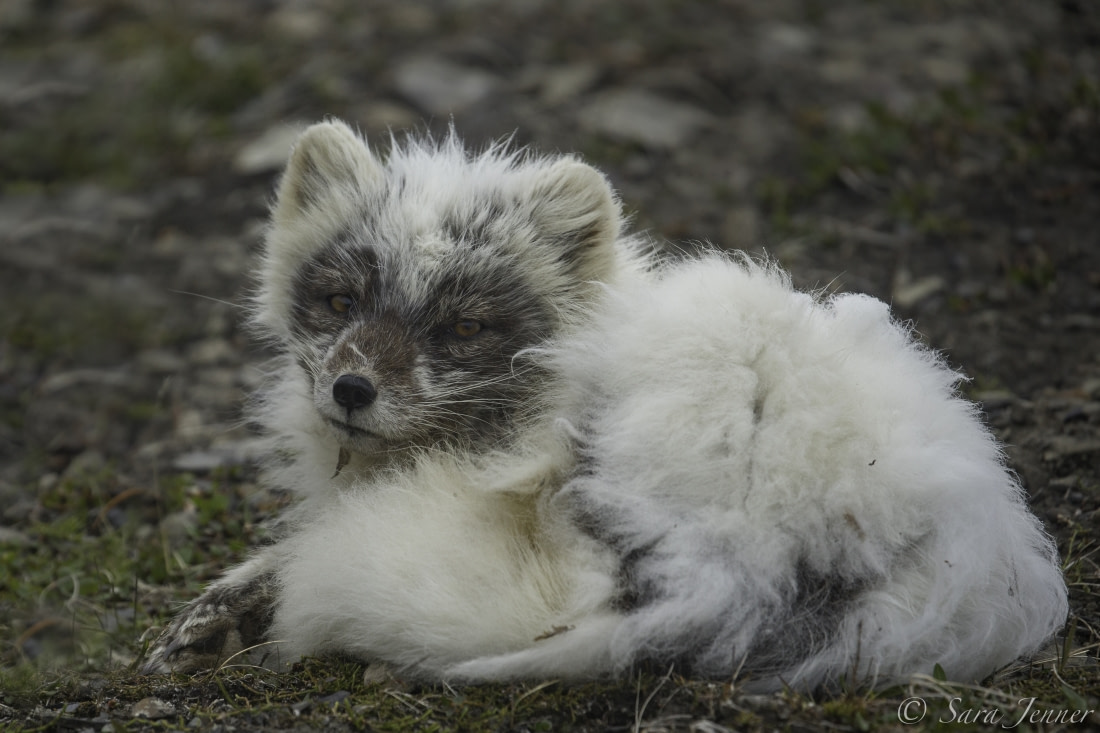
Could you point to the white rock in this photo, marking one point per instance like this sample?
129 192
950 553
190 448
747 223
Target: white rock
268 152
299 23
152 708
741 229
909 294
440 87
565 83
642 117
783 39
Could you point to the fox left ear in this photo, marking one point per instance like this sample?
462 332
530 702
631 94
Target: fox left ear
576 211
330 173
329 161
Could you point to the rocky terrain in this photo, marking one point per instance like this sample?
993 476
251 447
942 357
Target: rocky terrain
942 156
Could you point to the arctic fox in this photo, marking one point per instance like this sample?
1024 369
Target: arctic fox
522 449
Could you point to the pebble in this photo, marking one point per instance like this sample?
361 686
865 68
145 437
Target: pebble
563 84
995 399
212 351
642 117
335 698
161 361
94 378
269 151
909 294
741 229
224 454
1065 446
152 708
439 87
1091 387
10 536
87 463
299 23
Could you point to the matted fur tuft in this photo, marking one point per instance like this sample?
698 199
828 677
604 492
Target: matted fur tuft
521 449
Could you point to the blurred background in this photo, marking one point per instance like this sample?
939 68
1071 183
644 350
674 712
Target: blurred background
940 155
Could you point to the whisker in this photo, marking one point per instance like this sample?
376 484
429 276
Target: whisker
211 298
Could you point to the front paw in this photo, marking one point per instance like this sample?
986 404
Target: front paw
201 637
231 616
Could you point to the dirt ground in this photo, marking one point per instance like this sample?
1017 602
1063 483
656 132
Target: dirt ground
942 156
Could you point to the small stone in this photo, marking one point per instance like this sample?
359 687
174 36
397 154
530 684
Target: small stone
212 351
909 294
176 529
376 674
742 228
87 463
198 462
844 70
189 423
1064 446
783 39
565 83
379 115
1091 387
335 698
945 71
642 117
269 152
298 23
224 454
1076 413
99 378
847 117
440 87
9 536
152 708
995 399
161 361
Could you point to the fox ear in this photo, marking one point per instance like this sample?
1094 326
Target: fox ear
577 211
328 159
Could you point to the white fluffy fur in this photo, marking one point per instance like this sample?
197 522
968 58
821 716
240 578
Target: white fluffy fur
744 435
784 485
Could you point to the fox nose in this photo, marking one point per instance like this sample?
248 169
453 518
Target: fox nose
352 392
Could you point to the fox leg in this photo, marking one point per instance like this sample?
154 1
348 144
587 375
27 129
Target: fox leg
232 615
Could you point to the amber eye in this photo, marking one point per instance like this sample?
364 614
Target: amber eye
466 328
340 303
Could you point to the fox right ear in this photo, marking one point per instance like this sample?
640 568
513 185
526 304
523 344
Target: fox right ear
328 159
575 205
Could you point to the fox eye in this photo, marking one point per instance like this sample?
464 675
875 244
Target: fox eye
340 303
466 328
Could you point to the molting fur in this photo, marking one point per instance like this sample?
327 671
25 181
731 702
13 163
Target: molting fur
522 449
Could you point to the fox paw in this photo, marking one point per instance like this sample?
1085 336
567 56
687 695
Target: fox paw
221 623
203 635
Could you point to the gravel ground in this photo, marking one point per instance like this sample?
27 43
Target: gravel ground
940 155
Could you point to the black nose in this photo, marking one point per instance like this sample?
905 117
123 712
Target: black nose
352 392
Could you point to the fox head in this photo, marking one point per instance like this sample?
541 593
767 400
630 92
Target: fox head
405 288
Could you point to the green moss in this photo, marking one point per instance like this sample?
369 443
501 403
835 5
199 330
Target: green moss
70 591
